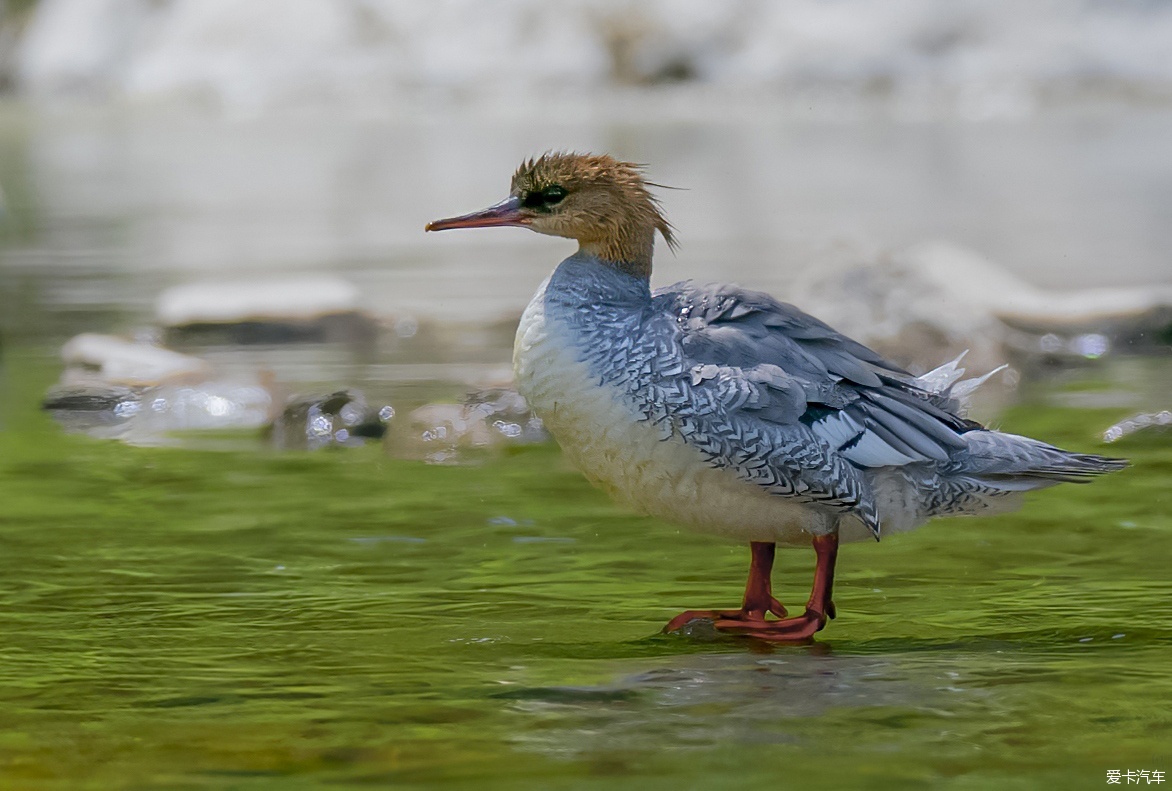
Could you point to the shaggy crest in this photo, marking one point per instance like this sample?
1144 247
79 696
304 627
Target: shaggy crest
607 206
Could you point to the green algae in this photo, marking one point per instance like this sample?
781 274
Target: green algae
175 618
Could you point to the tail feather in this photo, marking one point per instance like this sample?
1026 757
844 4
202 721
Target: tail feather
1078 468
989 473
944 387
993 457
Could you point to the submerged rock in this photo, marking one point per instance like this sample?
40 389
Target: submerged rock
148 415
140 393
488 418
341 418
213 404
507 413
98 409
276 311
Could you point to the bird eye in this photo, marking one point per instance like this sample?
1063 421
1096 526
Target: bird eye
543 199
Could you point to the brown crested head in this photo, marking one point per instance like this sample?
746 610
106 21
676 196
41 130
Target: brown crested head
595 199
598 200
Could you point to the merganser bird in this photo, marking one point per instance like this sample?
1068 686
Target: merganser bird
729 411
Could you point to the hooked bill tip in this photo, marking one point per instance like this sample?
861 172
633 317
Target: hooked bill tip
443 225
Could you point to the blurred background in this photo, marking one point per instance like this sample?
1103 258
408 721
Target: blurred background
930 177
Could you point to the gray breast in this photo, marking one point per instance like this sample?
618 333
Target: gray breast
741 419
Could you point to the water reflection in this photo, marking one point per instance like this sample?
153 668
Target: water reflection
750 698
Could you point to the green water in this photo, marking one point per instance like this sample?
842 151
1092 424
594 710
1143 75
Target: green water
175 618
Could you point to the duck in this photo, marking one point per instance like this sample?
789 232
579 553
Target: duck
728 411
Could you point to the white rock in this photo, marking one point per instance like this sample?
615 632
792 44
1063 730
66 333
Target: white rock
967 281
935 299
225 302
1145 421
123 362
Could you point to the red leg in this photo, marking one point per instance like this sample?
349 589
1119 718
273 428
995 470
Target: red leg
759 589
750 619
758 599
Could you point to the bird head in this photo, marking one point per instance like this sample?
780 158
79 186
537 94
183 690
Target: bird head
599 201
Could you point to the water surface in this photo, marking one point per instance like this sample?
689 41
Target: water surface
188 619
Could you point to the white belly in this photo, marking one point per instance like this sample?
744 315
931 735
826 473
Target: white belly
605 438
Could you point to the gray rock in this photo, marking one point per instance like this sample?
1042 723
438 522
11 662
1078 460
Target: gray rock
928 303
98 409
286 310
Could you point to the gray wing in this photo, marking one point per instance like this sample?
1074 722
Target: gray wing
795 406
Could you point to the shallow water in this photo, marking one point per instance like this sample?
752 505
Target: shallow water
190 619
240 618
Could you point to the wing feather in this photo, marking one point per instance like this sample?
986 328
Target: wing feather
822 408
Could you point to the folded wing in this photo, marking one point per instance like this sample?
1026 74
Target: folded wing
797 407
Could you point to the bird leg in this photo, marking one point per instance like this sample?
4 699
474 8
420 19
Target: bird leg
758 599
750 620
759 587
819 607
